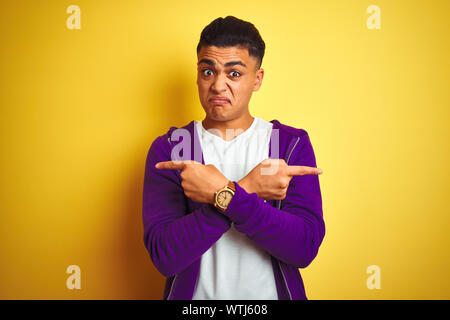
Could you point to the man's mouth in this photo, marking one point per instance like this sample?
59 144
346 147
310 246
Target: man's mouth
219 101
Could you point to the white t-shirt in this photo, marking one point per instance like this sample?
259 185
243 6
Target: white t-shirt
235 267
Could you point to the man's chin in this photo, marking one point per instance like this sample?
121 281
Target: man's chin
218 113
219 117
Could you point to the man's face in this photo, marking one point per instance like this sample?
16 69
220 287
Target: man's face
229 73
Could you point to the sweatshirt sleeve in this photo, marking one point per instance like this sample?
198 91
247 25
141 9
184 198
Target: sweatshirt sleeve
294 233
174 238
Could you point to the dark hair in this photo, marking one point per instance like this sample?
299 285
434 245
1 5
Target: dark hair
231 31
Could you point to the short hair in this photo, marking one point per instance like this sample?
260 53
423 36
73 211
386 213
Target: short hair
231 31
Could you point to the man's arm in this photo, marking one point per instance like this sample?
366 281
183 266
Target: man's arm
173 238
294 233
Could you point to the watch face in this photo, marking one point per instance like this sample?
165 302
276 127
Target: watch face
224 198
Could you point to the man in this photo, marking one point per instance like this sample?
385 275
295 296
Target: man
232 205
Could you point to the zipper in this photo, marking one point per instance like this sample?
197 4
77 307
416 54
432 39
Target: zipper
287 162
171 287
279 206
290 153
285 282
175 278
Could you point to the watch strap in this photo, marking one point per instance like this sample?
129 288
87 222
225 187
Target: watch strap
232 185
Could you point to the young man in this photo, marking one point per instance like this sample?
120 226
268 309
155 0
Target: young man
232 206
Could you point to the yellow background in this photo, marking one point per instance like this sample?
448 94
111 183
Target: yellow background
80 108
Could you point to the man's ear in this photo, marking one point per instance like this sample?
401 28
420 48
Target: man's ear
258 79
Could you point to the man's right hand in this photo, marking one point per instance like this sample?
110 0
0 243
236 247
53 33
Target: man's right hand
270 184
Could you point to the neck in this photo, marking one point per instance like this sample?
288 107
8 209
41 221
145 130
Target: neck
228 129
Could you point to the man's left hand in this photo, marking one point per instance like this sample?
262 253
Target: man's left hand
199 181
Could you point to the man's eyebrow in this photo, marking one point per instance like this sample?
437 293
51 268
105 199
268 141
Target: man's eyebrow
228 64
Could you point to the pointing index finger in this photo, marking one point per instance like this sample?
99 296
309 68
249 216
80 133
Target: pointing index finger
302 170
173 165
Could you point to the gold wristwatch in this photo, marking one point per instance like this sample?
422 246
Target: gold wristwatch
223 196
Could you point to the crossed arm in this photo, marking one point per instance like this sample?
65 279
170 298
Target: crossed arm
175 239
269 179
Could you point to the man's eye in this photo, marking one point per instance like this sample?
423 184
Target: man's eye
235 73
206 71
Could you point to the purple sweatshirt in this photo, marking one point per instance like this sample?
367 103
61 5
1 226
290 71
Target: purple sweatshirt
177 230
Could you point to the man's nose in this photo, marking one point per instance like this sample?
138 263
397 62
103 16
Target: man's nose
220 83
